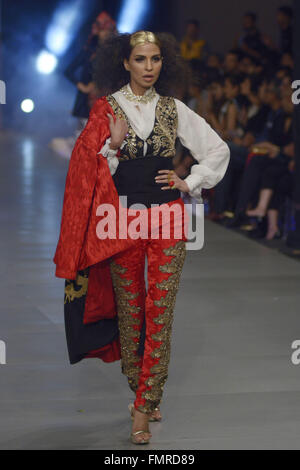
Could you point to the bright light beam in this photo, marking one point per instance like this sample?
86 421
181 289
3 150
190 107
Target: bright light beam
132 14
65 24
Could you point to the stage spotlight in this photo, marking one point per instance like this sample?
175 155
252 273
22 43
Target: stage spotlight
132 14
46 62
67 19
27 106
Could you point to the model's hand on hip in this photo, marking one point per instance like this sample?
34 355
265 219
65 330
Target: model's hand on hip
118 131
172 180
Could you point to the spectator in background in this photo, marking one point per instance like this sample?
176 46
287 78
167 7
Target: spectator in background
79 72
225 193
287 60
273 143
230 110
252 42
214 61
216 100
191 46
231 62
249 65
285 23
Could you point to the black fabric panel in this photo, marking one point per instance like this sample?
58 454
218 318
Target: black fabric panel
83 338
136 179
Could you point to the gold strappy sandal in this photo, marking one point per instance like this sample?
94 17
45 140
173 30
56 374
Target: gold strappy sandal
142 441
133 434
151 418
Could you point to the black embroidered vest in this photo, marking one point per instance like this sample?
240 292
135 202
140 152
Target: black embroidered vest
136 172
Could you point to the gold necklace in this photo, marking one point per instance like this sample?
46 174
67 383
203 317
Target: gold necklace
148 95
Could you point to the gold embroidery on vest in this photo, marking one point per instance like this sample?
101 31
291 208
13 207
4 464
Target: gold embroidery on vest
131 144
165 128
163 135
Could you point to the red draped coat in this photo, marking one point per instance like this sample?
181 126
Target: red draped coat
88 184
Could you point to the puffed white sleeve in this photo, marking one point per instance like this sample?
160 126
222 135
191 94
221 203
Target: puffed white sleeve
206 146
111 156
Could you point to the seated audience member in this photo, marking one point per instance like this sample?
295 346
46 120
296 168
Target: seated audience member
254 112
231 63
252 42
287 60
192 47
250 66
274 143
224 196
276 184
216 100
285 23
214 61
283 72
231 108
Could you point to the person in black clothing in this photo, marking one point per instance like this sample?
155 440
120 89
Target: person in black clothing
285 20
252 41
254 89
79 72
271 151
276 184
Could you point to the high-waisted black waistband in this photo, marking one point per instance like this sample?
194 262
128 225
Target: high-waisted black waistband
136 179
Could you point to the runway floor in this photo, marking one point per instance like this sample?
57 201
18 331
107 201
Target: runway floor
231 382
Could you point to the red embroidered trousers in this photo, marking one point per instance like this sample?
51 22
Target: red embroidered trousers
165 258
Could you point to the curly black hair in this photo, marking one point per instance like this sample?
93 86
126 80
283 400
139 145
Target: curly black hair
110 75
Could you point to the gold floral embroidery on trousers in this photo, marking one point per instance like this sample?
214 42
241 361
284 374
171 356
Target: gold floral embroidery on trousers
159 371
129 336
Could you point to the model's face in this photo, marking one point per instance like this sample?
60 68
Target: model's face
144 65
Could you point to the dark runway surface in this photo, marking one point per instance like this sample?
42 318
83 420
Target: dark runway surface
232 384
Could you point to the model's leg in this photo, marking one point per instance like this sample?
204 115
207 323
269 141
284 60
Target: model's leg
128 277
165 262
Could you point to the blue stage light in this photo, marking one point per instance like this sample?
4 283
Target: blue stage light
27 106
46 62
132 14
64 26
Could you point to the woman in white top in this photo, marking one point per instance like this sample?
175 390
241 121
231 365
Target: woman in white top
144 122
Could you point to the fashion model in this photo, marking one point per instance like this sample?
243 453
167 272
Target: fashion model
127 149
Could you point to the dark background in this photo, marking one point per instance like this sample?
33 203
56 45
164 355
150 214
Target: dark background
24 25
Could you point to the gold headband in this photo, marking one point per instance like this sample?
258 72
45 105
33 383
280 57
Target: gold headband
141 37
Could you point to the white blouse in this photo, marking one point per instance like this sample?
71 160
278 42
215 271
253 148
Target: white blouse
204 144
